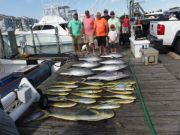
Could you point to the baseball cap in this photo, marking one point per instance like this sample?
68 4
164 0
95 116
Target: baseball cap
112 26
105 11
112 13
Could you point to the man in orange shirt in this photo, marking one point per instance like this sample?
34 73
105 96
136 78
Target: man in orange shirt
101 29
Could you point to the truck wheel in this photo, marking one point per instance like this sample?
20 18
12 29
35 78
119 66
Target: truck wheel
177 46
43 102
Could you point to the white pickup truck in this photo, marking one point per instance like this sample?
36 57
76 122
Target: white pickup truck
166 33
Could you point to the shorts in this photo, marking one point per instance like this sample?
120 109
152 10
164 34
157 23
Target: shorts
88 39
125 30
101 40
76 40
113 45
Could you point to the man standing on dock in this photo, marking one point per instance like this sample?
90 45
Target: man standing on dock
115 21
106 15
75 29
88 31
101 29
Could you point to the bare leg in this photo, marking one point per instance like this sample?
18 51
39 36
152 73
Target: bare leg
100 50
104 50
87 47
93 49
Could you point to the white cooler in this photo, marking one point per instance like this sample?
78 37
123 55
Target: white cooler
137 45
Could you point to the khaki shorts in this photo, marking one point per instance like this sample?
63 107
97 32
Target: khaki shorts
76 40
88 39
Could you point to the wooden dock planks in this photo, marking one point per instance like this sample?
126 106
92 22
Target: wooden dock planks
161 91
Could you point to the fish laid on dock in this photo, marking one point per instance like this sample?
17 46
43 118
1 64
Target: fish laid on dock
105 106
87 64
63 104
120 92
91 59
89 91
111 62
89 88
58 90
77 99
68 82
108 76
93 83
78 72
87 115
122 96
57 93
110 68
118 101
112 55
86 95
64 86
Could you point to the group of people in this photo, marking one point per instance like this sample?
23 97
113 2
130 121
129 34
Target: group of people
105 29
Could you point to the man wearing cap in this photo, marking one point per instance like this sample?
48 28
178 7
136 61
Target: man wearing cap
115 21
101 29
88 31
106 15
75 29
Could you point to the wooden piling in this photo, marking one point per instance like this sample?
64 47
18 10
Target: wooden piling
13 43
2 53
33 41
57 40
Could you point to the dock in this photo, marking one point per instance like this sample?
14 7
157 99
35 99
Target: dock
160 88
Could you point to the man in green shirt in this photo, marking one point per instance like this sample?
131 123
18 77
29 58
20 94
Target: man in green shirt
115 21
75 27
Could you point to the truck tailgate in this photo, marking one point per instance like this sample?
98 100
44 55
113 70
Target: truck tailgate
153 28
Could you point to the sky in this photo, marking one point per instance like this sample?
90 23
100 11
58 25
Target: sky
34 8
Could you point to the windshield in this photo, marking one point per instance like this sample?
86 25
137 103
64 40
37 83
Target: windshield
63 25
43 27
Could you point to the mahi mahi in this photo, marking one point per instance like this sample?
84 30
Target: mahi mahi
89 91
118 101
86 95
105 106
77 99
93 83
87 115
63 104
122 96
58 90
120 92
68 82
64 86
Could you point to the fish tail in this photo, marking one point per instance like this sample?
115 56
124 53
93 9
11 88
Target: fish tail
45 116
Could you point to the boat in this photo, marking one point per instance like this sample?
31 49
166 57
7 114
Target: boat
50 35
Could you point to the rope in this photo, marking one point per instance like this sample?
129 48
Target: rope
143 105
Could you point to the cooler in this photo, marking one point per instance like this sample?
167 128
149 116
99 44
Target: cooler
137 45
150 56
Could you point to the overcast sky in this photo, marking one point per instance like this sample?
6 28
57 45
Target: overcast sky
34 8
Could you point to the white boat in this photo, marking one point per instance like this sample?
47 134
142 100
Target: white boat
49 33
